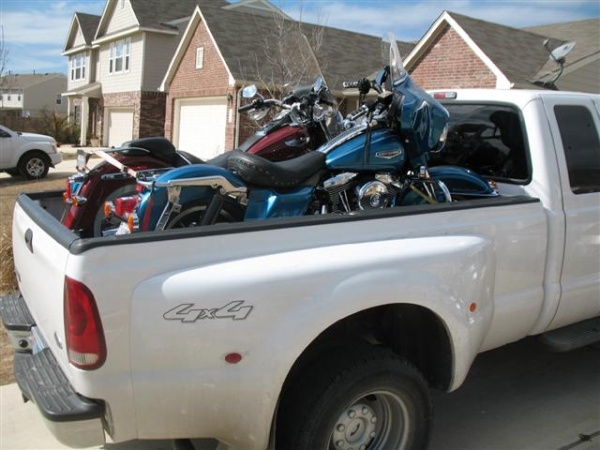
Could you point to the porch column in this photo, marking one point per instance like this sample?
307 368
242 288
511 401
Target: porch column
85 112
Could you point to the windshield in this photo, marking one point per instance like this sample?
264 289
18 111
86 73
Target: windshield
398 72
299 65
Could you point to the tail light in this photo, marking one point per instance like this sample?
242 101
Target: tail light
126 205
84 335
125 208
68 194
444 95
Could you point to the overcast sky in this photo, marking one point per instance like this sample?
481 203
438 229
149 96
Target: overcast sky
35 31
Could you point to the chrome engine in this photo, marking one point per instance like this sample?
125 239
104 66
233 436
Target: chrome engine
347 193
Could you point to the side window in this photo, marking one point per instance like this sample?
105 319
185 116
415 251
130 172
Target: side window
581 144
488 139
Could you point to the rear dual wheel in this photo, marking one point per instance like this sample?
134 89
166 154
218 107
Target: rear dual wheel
370 400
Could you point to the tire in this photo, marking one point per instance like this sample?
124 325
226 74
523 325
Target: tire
191 215
34 165
370 400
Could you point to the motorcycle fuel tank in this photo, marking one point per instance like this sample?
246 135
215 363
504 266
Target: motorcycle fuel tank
285 143
347 152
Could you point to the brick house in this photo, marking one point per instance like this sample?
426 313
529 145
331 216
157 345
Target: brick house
116 64
461 52
212 64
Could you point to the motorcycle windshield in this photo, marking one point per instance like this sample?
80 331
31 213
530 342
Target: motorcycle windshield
300 67
421 118
397 71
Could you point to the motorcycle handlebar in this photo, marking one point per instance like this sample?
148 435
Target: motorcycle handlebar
258 103
247 107
363 86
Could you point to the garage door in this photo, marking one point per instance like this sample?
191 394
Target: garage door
120 126
201 125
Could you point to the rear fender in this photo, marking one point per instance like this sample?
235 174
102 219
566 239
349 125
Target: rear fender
270 308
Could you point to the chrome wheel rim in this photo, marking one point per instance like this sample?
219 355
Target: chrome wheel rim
35 167
376 421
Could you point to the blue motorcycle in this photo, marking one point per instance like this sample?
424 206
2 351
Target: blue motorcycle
381 161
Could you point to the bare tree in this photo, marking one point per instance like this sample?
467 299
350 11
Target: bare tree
3 54
290 55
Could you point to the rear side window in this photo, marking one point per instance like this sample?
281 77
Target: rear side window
487 139
581 144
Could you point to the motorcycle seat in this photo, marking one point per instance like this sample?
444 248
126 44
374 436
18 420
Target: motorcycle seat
287 174
159 147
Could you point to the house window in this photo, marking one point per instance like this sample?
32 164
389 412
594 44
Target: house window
78 67
58 99
199 57
120 52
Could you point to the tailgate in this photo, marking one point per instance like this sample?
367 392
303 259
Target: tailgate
41 249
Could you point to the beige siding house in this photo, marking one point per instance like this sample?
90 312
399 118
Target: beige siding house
116 63
32 95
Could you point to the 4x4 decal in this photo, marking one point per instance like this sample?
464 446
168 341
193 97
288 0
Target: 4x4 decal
186 312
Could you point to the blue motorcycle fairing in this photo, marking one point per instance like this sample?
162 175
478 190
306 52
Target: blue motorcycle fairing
462 182
268 203
422 119
386 153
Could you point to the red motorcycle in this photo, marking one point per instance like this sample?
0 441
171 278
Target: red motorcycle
306 121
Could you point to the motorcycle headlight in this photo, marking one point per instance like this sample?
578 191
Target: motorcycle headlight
322 111
258 114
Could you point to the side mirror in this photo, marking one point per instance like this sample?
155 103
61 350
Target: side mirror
381 77
318 84
249 91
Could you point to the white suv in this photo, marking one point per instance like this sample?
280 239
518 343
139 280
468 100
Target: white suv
27 154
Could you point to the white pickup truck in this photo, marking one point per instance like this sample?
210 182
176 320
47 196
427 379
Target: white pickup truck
27 154
320 332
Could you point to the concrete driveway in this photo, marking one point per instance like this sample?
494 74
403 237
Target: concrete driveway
518 397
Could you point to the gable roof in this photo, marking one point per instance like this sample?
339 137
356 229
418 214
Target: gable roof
258 7
24 81
582 66
154 15
241 36
512 54
586 34
87 24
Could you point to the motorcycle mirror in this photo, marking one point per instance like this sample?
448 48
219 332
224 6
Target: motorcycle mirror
382 77
318 84
249 91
